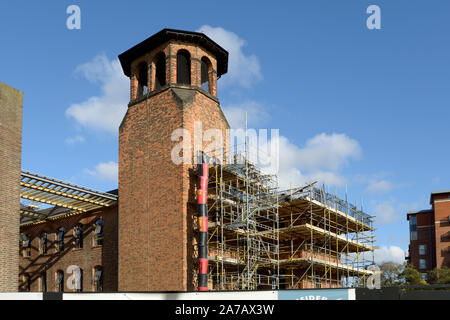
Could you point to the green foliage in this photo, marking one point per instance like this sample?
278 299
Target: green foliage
394 274
391 272
412 277
439 276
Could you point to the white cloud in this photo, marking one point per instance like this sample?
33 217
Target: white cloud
321 159
329 151
436 180
386 212
104 112
376 183
243 70
73 140
235 113
389 254
391 210
379 187
329 178
106 171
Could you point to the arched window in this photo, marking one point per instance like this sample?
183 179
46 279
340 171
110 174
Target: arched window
160 70
142 80
98 278
205 69
183 67
60 239
99 232
27 283
26 244
78 234
44 281
60 280
43 242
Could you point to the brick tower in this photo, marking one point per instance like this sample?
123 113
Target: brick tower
10 159
173 79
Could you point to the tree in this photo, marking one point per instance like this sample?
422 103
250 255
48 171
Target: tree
390 274
412 277
439 276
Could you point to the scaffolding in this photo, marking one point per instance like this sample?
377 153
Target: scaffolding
326 242
61 198
243 213
264 238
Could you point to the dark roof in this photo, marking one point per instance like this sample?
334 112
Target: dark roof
440 192
417 212
43 213
437 192
52 211
165 35
114 192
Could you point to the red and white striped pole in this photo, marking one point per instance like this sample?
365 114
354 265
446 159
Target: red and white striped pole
202 195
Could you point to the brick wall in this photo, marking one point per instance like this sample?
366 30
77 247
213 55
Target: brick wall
150 198
87 258
425 236
10 166
157 206
442 232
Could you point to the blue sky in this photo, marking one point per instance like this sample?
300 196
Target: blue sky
356 107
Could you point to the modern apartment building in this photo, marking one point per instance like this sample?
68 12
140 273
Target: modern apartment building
430 234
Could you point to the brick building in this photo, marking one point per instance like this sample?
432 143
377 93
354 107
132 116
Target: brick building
173 80
430 234
10 160
173 83
144 236
88 241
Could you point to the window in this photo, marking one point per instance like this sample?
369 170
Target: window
413 227
43 242
160 73
205 74
98 278
99 232
142 81
60 239
183 67
60 280
44 282
78 234
26 245
424 276
422 249
27 283
422 264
